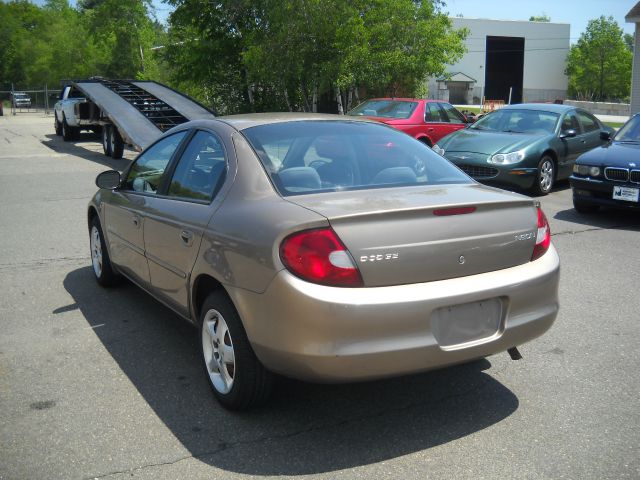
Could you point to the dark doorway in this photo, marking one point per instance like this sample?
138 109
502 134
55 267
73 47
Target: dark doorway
504 68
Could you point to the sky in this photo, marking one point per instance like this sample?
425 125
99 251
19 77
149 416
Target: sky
576 12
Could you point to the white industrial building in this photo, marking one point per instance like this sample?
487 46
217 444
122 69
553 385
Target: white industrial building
526 60
634 17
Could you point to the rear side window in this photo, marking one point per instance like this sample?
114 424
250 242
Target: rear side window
200 169
588 121
385 108
432 113
324 156
451 114
147 172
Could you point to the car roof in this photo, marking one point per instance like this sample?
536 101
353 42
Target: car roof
249 120
405 99
544 107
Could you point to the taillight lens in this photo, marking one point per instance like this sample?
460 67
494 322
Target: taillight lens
319 256
543 236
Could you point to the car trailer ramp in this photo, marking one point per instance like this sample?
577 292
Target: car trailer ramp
140 110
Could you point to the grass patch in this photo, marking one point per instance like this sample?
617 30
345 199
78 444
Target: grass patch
614 124
469 109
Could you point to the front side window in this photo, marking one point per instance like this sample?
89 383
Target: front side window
146 174
200 169
570 122
341 155
385 109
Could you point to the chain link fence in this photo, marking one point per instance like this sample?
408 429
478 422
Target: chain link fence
16 101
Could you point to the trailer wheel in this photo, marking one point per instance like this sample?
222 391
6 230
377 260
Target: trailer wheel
106 140
117 144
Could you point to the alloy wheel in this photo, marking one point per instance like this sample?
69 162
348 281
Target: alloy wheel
546 175
219 355
96 251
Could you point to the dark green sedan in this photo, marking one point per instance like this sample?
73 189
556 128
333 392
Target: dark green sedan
526 146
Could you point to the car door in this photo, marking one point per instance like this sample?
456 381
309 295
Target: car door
436 122
176 220
591 128
125 212
572 147
453 118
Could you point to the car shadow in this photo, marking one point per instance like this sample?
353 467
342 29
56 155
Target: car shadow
58 145
604 218
305 428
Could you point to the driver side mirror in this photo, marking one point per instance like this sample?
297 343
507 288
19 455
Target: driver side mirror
109 180
568 133
604 135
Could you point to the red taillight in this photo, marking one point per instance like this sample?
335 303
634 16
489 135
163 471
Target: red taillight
319 256
543 236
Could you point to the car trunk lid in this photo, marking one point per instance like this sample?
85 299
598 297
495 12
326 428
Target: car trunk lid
421 234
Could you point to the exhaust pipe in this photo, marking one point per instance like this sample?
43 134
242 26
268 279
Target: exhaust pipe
514 353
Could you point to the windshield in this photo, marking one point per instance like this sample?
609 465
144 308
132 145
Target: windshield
630 131
327 156
385 108
518 121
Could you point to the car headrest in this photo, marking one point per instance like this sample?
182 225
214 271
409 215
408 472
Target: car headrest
298 179
395 175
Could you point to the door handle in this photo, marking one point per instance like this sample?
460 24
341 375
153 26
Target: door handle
430 129
136 221
186 236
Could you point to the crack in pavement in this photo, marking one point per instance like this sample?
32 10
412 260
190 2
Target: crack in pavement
594 229
314 428
43 262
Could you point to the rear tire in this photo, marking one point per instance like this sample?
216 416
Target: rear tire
237 378
584 207
545 178
100 261
106 140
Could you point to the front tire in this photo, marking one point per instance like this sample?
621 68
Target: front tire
100 261
545 177
237 378
57 125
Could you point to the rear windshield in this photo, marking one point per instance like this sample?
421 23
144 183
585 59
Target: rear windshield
385 108
327 156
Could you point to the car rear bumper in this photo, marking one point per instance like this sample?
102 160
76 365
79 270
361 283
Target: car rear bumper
329 334
599 192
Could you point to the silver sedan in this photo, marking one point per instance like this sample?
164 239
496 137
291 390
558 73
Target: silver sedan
323 248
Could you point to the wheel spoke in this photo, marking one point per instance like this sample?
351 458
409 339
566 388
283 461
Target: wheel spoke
227 353
213 366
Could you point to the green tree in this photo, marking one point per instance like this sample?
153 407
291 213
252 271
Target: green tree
124 34
540 18
288 54
599 64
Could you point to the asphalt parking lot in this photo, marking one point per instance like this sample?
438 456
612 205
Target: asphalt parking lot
99 383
